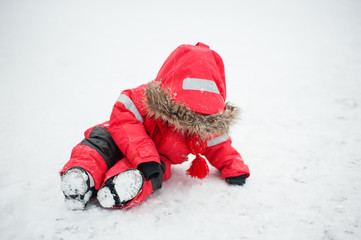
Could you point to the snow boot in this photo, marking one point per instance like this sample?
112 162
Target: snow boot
78 187
121 189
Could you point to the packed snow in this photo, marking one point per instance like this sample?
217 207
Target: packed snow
127 185
294 67
75 185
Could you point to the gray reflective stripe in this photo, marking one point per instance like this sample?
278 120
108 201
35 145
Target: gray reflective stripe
217 140
200 84
129 104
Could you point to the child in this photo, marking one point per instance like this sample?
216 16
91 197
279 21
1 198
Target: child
154 126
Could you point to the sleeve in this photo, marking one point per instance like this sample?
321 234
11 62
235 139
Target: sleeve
225 158
127 130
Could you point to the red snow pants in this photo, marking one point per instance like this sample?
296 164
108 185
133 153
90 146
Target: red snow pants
99 155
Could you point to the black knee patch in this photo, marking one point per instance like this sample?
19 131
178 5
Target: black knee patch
101 141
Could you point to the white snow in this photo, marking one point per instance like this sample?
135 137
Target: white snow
294 67
77 204
74 183
128 184
105 197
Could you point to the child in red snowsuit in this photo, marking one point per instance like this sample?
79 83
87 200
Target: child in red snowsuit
154 126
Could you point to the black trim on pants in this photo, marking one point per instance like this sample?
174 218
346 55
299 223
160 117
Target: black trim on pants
101 141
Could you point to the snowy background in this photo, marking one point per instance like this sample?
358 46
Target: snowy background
294 67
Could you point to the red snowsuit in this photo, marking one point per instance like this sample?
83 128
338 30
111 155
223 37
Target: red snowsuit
165 120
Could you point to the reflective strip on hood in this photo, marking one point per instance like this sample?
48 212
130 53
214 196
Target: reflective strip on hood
217 140
129 104
200 84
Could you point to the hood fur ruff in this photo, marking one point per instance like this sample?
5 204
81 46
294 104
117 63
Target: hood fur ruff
160 106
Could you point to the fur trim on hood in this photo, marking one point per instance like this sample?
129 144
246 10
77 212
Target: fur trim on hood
159 105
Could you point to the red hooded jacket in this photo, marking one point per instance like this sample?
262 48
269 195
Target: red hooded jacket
182 111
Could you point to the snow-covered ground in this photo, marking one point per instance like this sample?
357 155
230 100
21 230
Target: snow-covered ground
294 67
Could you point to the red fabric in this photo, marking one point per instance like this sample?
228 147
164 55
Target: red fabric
147 188
157 132
189 61
122 166
91 161
199 167
129 133
88 159
132 137
225 158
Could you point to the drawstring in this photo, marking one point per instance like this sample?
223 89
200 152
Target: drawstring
196 144
199 167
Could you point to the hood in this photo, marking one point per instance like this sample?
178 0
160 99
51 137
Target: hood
190 91
194 75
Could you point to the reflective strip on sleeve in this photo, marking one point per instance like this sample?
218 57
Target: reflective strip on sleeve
217 140
200 84
129 104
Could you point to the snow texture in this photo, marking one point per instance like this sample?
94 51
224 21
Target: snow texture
75 184
294 67
105 197
127 185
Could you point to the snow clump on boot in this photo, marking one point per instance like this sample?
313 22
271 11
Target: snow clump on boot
119 190
77 186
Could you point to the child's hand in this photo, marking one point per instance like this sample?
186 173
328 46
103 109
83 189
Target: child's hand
239 180
153 172
150 170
